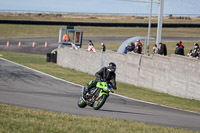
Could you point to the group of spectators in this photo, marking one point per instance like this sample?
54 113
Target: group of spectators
162 50
134 47
195 53
92 49
137 48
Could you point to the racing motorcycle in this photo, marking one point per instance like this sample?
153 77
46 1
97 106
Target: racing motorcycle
97 95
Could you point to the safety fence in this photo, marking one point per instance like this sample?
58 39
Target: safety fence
102 24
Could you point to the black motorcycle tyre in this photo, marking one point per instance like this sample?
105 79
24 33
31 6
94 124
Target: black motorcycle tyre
81 104
104 97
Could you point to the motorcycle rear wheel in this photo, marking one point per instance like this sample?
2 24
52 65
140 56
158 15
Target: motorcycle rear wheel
81 103
100 102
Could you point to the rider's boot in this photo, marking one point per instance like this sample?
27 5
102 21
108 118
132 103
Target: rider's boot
85 92
87 89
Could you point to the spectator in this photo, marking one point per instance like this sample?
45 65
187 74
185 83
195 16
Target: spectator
132 47
189 54
155 49
90 43
198 53
194 53
66 38
91 46
103 48
140 44
179 50
181 45
163 49
138 48
129 48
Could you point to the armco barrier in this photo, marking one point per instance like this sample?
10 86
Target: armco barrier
99 24
175 75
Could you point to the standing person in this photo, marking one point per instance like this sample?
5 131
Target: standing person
66 38
179 50
163 49
103 47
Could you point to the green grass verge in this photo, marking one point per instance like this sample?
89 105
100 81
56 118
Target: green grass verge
11 30
38 62
23 120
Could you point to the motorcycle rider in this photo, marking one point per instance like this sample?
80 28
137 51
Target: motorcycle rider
105 74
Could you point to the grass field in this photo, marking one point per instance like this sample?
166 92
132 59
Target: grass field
13 31
23 120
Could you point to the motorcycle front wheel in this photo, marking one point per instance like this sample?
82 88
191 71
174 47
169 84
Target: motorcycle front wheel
81 103
99 102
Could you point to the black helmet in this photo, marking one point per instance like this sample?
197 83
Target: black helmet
111 67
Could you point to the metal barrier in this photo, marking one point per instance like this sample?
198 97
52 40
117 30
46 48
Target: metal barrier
31 22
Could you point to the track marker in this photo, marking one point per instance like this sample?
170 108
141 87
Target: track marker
19 44
7 45
45 45
33 44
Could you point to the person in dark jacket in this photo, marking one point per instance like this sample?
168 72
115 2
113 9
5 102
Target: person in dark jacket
138 48
163 49
106 74
129 48
103 47
179 50
194 53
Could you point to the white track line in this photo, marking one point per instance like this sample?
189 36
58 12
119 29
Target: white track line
41 72
111 93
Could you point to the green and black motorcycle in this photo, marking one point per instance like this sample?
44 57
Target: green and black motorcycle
97 95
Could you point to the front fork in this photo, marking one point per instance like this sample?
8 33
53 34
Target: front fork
83 90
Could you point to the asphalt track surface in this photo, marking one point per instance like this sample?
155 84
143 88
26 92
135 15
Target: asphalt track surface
26 43
25 87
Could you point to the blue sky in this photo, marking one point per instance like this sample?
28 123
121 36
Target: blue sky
102 6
